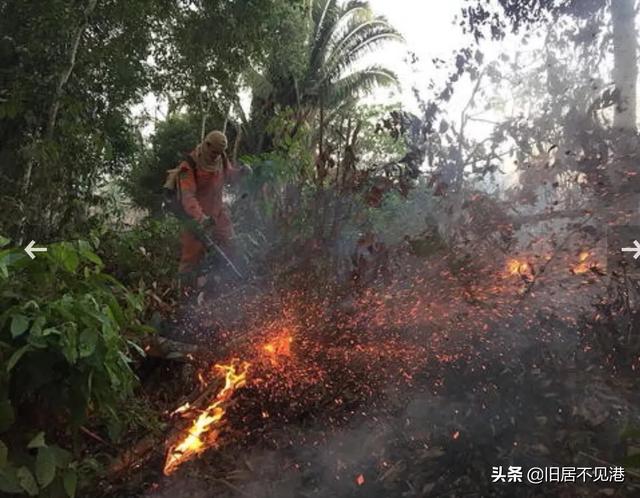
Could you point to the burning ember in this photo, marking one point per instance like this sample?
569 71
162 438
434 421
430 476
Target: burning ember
519 268
202 433
584 264
278 347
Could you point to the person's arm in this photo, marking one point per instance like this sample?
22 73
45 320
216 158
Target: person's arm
188 189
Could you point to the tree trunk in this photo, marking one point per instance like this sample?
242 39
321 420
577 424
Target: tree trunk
66 74
52 117
236 143
203 125
625 66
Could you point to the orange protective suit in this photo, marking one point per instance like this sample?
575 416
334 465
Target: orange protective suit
201 192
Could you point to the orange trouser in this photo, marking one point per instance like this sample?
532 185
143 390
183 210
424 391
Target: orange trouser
193 250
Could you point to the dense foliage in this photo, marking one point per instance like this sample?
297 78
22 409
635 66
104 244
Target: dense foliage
68 336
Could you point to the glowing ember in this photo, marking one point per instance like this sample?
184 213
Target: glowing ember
181 409
278 346
583 265
201 434
519 268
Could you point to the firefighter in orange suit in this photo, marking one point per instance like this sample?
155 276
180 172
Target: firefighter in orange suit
201 190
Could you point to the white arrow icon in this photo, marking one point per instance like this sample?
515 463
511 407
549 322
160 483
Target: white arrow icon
30 249
635 249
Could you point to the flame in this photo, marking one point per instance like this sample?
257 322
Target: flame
203 432
192 443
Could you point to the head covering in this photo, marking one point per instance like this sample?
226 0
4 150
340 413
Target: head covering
208 155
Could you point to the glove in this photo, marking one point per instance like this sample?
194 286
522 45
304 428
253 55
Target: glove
206 221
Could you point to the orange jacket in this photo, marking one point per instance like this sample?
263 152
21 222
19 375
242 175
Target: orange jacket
201 191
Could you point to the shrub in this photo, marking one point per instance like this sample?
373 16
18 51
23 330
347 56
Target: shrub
145 257
67 335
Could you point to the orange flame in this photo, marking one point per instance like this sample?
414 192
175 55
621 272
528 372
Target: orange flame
195 442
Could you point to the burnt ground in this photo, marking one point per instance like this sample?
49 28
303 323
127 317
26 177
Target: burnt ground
417 387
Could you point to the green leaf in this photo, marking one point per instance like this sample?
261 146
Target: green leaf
4 452
139 350
87 253
15 357
9 480
38 441
63 457
4 241
27 481
70 481
87 342
19 325
65 255
69 343
36 326
45 466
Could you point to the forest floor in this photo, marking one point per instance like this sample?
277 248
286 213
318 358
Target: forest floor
414 386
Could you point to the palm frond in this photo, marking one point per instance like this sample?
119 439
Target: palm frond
361 82
329 19
324 19
354 43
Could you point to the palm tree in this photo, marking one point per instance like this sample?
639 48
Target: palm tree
339 35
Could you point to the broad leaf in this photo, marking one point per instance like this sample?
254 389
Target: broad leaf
27 481
63 457
19 325
37 442
70 481
65 255
87 253
45 466
9 481
87 342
